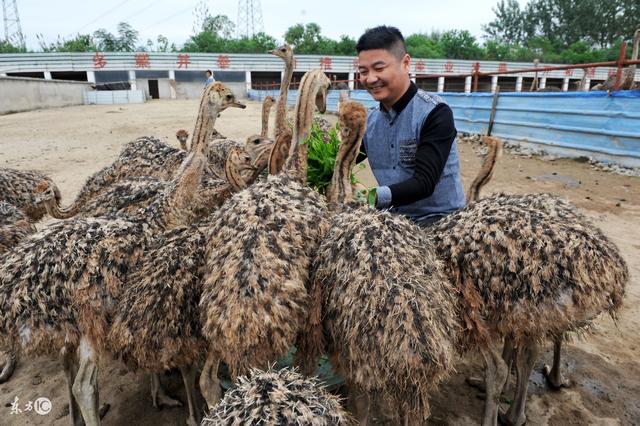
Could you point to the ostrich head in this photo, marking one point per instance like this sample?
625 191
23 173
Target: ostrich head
220 97
239 168
259 148
182 136
284 52
44 192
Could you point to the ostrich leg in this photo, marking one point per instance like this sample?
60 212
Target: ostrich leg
553 374
70 365
85 385
159 397
209 383
526 356
189 378
7 365
495 376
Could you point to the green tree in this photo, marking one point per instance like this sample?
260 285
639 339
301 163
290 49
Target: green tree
424 46
80 43
124 41
457 44
7 47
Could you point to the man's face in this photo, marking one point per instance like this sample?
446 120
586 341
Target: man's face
384 76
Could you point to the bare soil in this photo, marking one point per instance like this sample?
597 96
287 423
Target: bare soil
71 143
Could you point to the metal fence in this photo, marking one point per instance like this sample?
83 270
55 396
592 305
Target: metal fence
594 124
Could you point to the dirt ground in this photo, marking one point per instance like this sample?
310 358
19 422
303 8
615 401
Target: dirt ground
71 143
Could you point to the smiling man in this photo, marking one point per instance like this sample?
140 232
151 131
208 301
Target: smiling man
410 136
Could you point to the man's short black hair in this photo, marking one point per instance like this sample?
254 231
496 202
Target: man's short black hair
382 37
209 72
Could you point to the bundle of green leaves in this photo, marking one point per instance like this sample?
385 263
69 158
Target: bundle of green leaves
322 157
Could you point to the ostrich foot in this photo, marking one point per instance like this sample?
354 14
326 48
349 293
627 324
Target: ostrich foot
7 365
555 380
159 397
505 420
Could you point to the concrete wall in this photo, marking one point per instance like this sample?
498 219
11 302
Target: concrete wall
194 90
24 94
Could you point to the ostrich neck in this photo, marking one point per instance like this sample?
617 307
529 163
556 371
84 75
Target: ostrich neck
54 210
634 53
281 113
296 163
266 108
341 191
175 207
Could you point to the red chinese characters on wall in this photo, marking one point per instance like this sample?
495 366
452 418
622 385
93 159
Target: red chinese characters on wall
502 67
325 63
354 64
420 66
591 72
183 60
223 61
448 67
99 61
568 72
142 60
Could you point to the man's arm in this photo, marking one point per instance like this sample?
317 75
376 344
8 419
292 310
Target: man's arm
436 137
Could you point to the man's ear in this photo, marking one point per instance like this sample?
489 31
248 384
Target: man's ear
406 62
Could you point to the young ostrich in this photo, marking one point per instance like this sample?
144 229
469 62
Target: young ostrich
259 247
525 267
127 197
14 227
282 133
148 157
277 397
53 297
156 323
182 135
381 297
17 190
285 53
628 74
107 191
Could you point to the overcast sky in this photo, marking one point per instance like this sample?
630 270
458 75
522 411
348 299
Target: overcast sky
174 19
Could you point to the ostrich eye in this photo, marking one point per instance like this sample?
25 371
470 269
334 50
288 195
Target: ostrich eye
256 141
283 50
229 97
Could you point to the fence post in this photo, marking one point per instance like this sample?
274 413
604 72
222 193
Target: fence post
619 63
440 85
476 71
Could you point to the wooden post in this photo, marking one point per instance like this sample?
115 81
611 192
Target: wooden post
476 70
494 107
620 62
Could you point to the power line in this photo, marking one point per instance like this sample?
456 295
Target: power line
98 18
168 18
144 9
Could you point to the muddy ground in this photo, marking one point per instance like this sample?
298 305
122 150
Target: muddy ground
71 143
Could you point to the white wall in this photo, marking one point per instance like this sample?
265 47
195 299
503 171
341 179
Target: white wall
24 94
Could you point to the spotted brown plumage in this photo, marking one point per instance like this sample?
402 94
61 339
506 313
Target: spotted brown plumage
148 157
17 190
526 266
59 287
277 397
387 316
14 227
259 248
